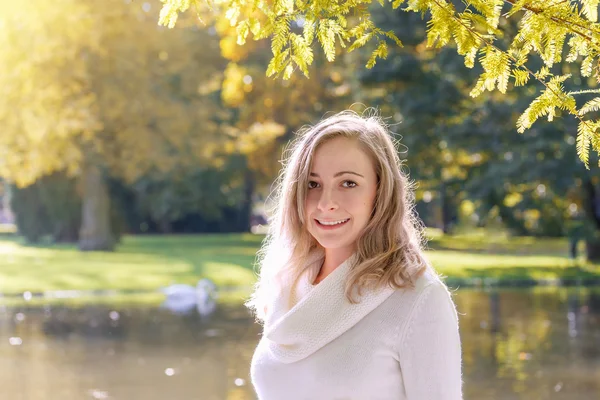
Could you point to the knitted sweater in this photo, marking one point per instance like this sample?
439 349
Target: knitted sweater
394 344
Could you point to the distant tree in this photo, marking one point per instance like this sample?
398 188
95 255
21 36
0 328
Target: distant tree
103 91
458 147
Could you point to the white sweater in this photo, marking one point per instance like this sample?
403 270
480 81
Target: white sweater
394 344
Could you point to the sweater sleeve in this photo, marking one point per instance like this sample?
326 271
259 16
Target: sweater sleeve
429 348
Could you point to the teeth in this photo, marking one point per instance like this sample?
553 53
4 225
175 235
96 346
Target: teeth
334 222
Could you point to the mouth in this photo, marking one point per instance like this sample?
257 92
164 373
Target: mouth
332 224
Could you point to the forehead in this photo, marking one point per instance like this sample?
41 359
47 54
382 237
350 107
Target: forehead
340 154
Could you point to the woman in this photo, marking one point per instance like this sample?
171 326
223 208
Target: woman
350 306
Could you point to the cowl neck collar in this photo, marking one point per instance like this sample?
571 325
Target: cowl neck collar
306 317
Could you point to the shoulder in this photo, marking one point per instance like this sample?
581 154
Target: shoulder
429 301
424 285
431 293
432 307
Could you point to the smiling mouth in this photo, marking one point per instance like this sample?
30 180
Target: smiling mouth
332 223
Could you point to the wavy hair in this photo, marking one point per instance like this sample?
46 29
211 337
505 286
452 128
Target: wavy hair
389 249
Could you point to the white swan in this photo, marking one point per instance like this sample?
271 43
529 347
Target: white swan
182 298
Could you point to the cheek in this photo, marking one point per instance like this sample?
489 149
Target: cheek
360 204
367 202
311 200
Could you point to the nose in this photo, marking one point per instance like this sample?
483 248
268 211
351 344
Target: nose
327 201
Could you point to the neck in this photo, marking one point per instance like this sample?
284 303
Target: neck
335 257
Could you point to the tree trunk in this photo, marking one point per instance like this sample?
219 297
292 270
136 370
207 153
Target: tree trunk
246 207
95 233
592 247
592 210
446 208
6 213
164 225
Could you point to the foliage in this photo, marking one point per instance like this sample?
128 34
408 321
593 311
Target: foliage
554 31
51 209
102 84
99 92
458 147
178 194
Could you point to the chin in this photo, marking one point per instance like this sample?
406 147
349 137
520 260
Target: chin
333 244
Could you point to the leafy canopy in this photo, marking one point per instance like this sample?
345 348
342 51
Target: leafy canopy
97 83
555 31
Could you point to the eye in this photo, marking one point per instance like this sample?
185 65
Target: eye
349 184
312 184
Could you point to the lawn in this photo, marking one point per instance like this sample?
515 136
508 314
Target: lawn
140 263
145 263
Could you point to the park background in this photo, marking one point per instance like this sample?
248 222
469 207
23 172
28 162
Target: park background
133 157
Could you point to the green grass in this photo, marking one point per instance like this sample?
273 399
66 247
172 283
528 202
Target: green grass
498 257
149 262
140 263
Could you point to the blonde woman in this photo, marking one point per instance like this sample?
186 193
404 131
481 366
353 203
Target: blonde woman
351 308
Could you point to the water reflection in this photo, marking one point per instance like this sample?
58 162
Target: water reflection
531 344
538 343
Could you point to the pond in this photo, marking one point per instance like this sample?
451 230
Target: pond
536 343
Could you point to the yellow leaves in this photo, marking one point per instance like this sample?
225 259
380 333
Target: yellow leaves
242 32
493 18
284 7
496 66
592 105
257 143
45 89
467 207
326 34
588 134
25 162
579 46
585 131
302 54
287 72
281 31
441 25
255 26
590 9
551 98
278 62
308 31
553 46
230 49
521 76
542 30
532 214
232 91
381 51
362 33
104 79
233 13
171 9
467 43
419 6
239 22
245 27
258 136
586 66
542 73
289 49
512 199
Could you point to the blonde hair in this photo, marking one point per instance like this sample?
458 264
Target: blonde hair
390 248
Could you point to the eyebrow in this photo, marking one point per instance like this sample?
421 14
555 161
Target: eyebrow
339 174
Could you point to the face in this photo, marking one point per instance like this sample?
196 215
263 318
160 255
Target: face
341 194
